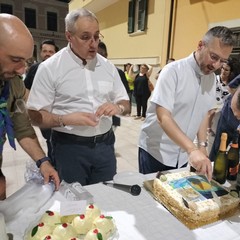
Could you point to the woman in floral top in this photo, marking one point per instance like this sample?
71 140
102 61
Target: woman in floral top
229 71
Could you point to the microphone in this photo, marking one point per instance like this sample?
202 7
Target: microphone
135 190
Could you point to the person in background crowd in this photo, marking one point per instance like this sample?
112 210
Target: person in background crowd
102 50
16 47
229 71
47 49
184 93
76 92
142 91
228 121
130 76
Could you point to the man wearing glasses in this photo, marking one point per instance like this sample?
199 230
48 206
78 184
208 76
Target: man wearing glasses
184 93
76 92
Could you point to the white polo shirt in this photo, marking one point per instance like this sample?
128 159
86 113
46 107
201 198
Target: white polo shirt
64 85
188 94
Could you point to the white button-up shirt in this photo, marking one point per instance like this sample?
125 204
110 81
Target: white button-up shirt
64 85
188 94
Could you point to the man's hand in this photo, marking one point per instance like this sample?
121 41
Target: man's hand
201 163
107 109
49 173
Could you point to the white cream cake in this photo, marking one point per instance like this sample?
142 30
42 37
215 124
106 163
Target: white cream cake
90 225
189 197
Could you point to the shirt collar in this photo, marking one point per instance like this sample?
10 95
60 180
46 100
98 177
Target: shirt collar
195 65
91 64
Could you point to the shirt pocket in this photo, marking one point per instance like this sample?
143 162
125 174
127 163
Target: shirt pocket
105 90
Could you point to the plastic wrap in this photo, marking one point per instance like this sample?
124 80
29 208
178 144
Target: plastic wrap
33 173
27 201
75 192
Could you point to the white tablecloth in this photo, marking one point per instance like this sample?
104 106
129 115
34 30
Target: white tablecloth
143 218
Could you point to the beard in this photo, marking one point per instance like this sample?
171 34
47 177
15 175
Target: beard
6 76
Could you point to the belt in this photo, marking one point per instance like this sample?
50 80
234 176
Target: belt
80 139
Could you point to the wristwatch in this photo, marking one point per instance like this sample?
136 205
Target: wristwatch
203 144
42 160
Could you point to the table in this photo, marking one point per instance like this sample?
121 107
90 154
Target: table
143 218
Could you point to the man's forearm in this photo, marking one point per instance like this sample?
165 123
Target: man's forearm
173 131
32 147
44 119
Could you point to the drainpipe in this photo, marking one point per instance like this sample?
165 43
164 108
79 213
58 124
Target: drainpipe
170 29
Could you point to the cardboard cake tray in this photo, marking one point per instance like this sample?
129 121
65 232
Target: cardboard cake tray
148 185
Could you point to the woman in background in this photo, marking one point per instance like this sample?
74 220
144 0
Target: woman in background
141 90
130 76
229 71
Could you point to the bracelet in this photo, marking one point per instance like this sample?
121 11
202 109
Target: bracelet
203 144
192 150
60 121
122 108
42 160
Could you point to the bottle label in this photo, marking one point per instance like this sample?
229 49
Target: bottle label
233 171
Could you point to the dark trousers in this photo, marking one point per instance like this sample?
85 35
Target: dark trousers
47 134
130 94
141 102
86 163
148 164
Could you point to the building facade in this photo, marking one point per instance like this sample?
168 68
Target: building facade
151 31
44 18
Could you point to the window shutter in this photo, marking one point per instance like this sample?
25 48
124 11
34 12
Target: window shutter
142 14
131 16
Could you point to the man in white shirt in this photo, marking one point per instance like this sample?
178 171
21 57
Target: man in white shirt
76 92
184 93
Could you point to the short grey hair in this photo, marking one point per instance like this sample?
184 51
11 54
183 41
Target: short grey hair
74 15
225 35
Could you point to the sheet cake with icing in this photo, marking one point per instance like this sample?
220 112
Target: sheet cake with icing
188 196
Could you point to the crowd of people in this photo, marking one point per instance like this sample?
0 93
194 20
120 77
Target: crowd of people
75 93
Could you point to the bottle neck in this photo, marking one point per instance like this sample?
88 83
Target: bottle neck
223 144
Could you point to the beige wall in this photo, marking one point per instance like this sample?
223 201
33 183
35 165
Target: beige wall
195 17
191 20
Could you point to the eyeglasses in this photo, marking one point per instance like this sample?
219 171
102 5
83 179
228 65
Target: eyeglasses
88 37
215 58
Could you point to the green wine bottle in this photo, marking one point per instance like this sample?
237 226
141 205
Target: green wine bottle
233 159
220 162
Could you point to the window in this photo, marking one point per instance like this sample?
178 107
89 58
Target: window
6 8
30 17
51 21
137 15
